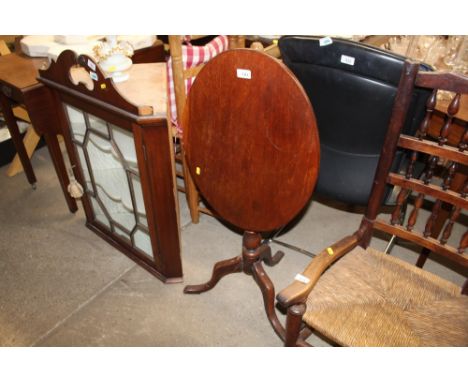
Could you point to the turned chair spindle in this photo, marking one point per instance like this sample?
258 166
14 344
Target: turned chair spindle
420 198
463 243
410 168
448 228
397 214
453 109
463 141
430 106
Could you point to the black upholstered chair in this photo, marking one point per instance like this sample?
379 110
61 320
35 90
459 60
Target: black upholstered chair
352 87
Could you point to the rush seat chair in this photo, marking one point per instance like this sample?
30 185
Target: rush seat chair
357 296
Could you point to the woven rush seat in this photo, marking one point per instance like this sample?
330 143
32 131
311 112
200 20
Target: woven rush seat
368 298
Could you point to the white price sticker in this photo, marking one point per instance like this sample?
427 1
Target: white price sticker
244 73
91 65
93 75
325 41
302 278
347 59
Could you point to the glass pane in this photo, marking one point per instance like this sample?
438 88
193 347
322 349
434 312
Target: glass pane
111 180
77 123
99 213
102 144
139 203
98 124
117 210
123 234
143 242
124 141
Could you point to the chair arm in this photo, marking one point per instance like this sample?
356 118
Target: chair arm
298 291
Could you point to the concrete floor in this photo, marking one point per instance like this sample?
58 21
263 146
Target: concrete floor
61 285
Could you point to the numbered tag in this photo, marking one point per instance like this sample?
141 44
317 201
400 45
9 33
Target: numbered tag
246 74
347 59
91 65
302 278
325 41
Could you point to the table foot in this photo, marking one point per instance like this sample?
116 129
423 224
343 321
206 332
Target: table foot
268 258
220 269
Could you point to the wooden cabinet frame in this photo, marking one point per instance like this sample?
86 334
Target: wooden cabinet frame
148 126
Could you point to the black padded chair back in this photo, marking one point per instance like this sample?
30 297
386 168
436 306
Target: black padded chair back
352 87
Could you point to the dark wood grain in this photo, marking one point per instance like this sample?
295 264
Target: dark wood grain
438 192
397 120
253 156
452 81
429 147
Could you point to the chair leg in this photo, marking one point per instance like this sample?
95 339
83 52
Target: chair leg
30 140
465 288
293 324
191 193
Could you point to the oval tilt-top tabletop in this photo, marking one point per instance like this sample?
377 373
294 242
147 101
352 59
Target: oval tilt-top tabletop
251 140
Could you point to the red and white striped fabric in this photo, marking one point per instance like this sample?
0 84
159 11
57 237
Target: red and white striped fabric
191 57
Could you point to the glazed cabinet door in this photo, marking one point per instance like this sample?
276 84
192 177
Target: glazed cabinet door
108 160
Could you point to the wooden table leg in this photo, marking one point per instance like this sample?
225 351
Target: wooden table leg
60 168
38 103
250 262
30 141
16 138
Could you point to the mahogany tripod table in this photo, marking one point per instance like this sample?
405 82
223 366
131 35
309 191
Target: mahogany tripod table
251 144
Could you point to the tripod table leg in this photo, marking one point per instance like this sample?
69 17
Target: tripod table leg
268 292
220 269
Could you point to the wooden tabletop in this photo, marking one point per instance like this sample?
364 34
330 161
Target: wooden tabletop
147 85
251 140
145 88
20 71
